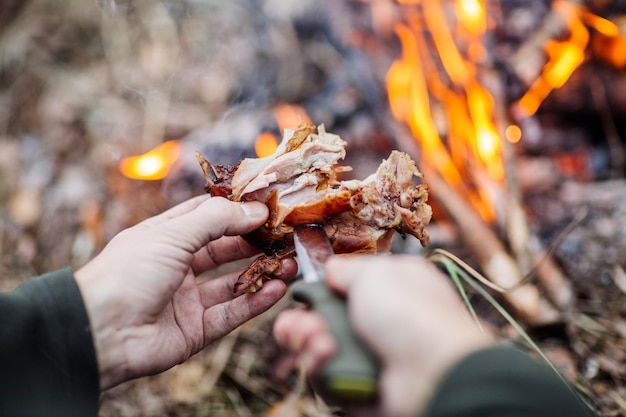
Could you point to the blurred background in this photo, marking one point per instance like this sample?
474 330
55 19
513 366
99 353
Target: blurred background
514 109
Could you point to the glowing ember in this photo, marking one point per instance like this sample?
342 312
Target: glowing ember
152 165
513 133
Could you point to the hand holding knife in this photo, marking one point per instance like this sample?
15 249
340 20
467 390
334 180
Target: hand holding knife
352 373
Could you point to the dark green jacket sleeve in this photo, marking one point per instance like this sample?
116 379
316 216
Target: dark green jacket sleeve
48 364
504 382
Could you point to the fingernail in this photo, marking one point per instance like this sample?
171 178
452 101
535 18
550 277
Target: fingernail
254 210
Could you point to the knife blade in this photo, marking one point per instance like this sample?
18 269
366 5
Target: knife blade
313 249
351 375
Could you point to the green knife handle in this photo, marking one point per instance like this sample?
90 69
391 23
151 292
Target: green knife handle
352 373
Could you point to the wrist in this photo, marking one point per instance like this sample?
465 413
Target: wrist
412 382
104 319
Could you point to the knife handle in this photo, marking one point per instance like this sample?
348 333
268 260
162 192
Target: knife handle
351 375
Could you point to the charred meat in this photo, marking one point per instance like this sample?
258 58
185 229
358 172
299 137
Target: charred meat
299 184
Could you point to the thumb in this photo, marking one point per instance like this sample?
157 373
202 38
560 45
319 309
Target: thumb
217 217
343 270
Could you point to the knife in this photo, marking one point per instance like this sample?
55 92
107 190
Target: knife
351 375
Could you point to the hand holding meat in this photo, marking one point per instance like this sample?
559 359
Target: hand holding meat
147 311
406 311
300 184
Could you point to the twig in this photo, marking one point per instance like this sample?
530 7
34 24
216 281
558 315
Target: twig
527 62
616 149
558 289
238 404
220 358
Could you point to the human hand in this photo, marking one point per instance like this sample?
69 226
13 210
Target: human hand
147 311
409 315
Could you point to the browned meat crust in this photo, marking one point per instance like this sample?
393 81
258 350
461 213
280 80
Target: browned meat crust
299 185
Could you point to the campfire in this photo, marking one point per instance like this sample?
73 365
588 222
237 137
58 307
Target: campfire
448 88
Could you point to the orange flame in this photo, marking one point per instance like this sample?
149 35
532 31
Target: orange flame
408 95
287 116
450 113
457 68
610 49
472 16
290 116
487 140
602 25
608 44
564 57
416 90
265 144
152 165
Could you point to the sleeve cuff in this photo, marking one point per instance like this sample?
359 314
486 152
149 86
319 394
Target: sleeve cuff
503 381
54 364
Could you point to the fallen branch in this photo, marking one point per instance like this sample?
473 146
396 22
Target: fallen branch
488 251
495 263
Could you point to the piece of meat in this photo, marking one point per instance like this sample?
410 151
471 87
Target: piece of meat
299 184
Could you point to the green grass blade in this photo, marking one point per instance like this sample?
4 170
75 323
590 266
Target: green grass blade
451 269
459 274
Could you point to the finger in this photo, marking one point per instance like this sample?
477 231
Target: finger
318 350
220 290
223 250
293 328
221 319
306 334
343 270
288 269
400 391
213 219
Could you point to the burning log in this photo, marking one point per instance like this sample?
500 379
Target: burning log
533 260
490 254
488 251
463 153
498 266
547 60
529 59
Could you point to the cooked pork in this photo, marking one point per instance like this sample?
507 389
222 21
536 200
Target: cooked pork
299 184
